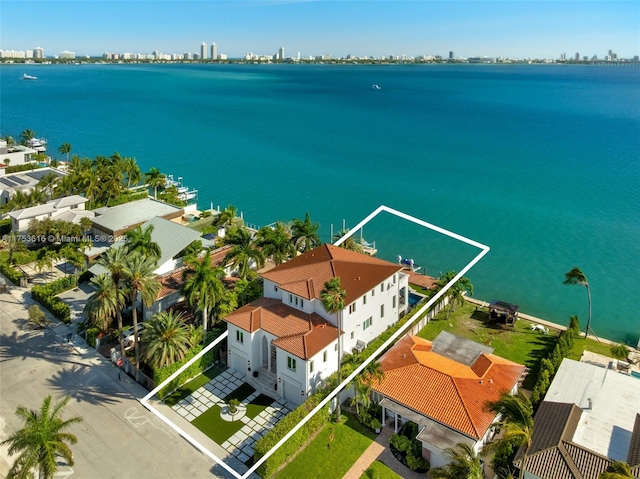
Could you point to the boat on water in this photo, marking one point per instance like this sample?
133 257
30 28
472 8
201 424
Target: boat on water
38 144
27 77
184 193
375 86
409 263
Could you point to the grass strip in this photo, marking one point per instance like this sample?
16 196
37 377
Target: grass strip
192 386
211 424
258 405
379 470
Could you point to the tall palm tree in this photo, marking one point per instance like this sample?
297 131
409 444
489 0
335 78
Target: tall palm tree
363 383
202 286
13 244
27 135
165 339
132 170
139 279
48 183
304 234
516 423
41 441
227 217
65 149
114 261
455 294
276 243
103 304
576 276
140 240
243 252
464 464
332 297
155 179
350 243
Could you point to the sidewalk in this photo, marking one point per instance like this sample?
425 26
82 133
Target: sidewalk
379 450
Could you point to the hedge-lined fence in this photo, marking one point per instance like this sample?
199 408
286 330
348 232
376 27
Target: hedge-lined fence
46 295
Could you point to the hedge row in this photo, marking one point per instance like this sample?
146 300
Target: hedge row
10 272
5 226
549 366
295 442
197 368
46 295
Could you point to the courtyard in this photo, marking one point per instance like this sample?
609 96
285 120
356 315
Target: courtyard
205 408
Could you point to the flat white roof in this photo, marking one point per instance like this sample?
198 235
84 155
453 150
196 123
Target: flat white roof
607 425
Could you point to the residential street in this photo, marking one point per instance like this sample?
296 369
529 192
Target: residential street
118 437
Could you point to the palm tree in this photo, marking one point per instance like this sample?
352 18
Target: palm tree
14 245
362 384
464 464
202 286
103 305
617 470
140 280
227 217
27 135
155 179
516 421
276 243
140 240
132 170
243 251
350 243
455 294
48 183
576 276
304 234
65 149
165 339
332 297
41 441
114 261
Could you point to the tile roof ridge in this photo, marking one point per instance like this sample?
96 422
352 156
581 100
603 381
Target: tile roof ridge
464 406
568 459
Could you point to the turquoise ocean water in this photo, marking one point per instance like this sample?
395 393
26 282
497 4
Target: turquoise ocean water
541 163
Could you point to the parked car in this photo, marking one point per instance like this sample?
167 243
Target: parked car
128 333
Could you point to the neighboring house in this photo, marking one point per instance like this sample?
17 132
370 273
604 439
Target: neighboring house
16 154
590 417
288 337
443 386
111 223
171 284
69 208
24 181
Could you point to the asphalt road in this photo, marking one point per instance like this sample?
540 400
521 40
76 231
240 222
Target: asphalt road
118 438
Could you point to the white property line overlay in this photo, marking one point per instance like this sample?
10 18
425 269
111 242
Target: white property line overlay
483 251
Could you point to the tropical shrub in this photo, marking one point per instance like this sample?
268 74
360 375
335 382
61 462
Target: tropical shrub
5 226
92 334
37 316
10 272
295 442
45 295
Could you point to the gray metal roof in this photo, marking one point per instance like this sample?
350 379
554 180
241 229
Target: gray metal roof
118 218
459 349
171 237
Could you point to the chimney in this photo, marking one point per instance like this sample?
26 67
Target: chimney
490 381
481 381
590 403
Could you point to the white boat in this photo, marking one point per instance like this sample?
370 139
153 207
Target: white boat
27 77
409 263
375 86
184 193
38 144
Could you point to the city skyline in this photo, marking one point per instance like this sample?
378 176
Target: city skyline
528 29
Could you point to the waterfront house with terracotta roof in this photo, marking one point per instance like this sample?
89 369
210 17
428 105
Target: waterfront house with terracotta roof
443 386
289 339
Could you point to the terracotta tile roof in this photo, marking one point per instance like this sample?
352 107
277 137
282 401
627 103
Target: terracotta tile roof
422 280
443 389
301 334
306 274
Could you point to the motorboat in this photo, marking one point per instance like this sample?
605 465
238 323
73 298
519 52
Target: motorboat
409 263
27 77
375 86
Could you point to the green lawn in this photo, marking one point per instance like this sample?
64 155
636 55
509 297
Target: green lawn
215 427
319 459
258 405
519 344
240 393
379 470
189 388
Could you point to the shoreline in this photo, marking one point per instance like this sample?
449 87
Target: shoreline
549 324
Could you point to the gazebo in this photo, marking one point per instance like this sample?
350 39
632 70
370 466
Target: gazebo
501 310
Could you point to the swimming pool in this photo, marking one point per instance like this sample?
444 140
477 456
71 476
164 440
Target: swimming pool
414 299
635 374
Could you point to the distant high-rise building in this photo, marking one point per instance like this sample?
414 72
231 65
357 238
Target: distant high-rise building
38 53
563 57
203 51
67 55
577 56
281 53
451 56
214 51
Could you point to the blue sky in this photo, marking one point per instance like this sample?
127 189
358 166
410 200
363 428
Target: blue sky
510 28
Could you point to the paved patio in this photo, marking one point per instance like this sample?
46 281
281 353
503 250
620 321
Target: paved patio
240 444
